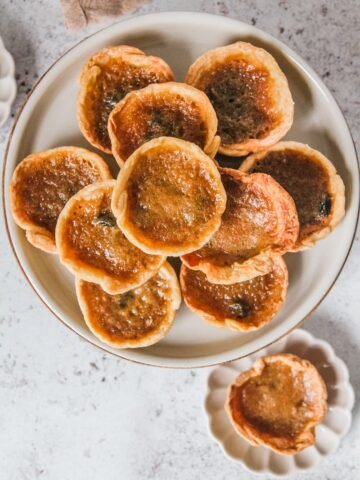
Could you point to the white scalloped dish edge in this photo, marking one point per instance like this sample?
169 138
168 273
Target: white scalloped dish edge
7 83
336 424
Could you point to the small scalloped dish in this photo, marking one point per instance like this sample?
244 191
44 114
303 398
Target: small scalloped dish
7 83
336 424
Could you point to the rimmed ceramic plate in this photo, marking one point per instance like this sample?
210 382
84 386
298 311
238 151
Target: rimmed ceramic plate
334 427
48 119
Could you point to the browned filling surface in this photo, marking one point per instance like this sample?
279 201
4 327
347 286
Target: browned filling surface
43 187
171 196
131 315
92 235
305 180
248 302
246 226
117 79
241 97
150 117
277 402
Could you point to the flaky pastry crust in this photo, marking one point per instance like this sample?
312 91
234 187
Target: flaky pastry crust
120 69
309 403
269 204
243 306
309 233
38 191
100 309
168 198
92 247
166 109
277 103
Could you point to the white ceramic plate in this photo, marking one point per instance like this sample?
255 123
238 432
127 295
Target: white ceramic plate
328 434
48 119
7 83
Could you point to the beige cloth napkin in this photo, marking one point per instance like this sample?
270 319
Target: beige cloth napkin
79 13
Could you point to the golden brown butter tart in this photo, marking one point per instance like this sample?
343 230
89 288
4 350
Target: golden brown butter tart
92 246
106 78
278 403
249 93
136 318
168 198
241 306
43 182
162 110
311 179
259 224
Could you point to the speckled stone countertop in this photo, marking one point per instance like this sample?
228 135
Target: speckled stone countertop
67 411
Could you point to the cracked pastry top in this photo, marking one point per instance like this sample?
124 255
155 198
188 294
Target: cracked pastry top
43 182
168 198
311 179
259 223
278 403
106 78
137 318
92 246
162 110
249 93
241 306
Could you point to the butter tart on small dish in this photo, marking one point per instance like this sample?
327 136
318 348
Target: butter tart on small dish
259 223
250 95
162 110
278 403
137 318
105 79
311 179
43 182
92 246
168 198
241 306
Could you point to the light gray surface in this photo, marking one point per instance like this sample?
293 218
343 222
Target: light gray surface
66 410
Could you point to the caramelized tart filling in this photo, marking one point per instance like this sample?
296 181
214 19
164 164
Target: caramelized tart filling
277 402
248 302
305 180
246 226
43 187
131 315
171 195
142 120
240 95
117 79
92 235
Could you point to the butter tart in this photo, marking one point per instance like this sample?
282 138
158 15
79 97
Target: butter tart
105 80
43 182
92 246
137 318
162 110
240 306
168 198
312 181
259 223
278 403
250 95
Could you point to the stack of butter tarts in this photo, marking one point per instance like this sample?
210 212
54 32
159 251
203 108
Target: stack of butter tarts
171 197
